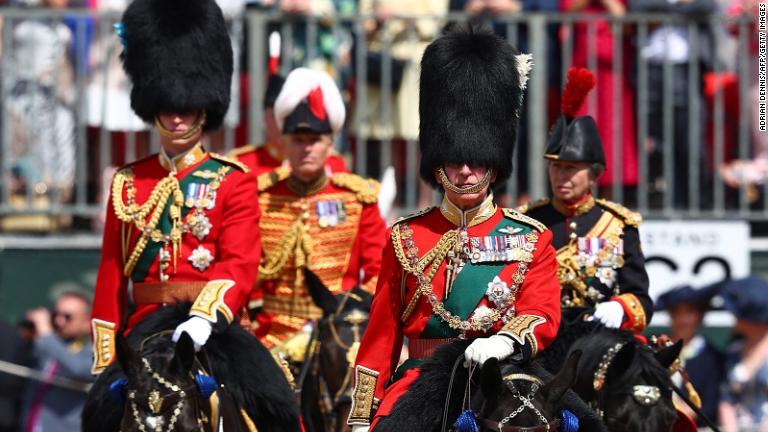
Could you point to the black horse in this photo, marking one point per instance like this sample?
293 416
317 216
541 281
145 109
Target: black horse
622 378
158 383
504 396
326 377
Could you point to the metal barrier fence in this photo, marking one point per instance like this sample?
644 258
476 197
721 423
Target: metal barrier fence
674 102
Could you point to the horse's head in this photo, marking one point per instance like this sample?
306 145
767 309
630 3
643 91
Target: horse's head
513 399
337 337
632 387
163 389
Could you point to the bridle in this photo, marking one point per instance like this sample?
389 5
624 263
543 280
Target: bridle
526 402
509 382
156 400
356 318
646 395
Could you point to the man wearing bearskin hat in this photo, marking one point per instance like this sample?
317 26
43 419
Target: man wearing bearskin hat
464 269
600 263
329 224
180 223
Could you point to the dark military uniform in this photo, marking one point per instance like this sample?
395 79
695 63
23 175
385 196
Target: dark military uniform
598 246
599 256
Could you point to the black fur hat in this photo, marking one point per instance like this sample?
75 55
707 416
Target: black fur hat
179 57
471 90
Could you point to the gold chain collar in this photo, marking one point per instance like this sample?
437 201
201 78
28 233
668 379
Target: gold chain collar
412 264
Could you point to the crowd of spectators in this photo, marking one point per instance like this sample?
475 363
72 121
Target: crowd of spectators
46 367
65 86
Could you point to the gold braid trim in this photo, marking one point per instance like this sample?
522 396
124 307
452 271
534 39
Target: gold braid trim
629 217
636 313
234 162
363 396
211 299
515 216
434 257
367 190
294 241
136 215
521 330
269 179
103 344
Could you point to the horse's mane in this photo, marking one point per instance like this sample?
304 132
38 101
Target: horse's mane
271 404
421 408
644 363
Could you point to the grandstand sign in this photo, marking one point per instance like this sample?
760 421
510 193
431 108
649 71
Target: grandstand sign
696 253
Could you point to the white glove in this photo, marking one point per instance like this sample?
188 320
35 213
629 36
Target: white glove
199 329
360 428
482 349
610 313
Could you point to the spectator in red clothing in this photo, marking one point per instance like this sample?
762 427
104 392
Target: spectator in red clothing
615 123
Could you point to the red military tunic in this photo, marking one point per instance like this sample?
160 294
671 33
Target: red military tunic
332 227
205 202
264 159
516 268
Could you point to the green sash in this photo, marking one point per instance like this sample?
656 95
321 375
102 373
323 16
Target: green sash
468 289
153 248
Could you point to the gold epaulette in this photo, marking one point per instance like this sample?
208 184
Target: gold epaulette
367 190
269 179
631 218
525 208
519 217
413 215
239 151
235 163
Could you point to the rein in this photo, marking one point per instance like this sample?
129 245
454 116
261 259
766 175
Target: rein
500 426
329 402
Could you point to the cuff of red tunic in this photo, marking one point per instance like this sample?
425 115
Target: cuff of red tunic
211 300
634 314
103 344
521 329
364 404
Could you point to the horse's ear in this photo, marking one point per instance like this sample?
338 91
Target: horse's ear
321 296
127 358
565 378
623 360
490 379
667 355
184 354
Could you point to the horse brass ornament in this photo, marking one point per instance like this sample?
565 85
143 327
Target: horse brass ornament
154 401
646 395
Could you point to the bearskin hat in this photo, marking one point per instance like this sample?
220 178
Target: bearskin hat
576 138
471 91
178 55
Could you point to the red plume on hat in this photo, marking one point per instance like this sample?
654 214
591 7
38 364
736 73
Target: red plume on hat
580 82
